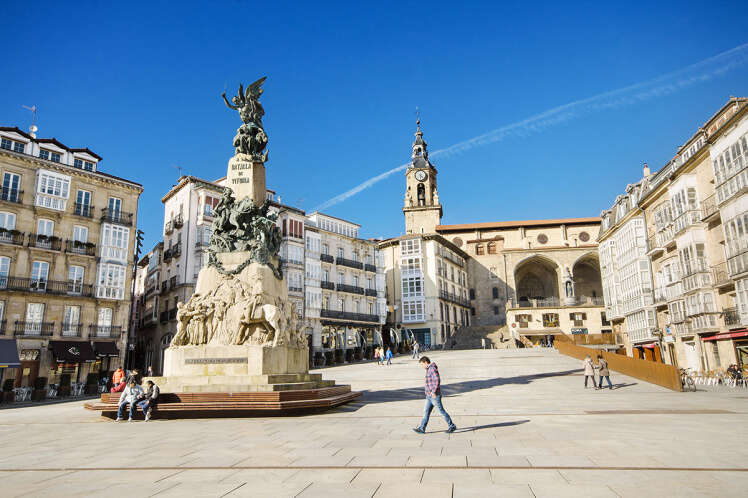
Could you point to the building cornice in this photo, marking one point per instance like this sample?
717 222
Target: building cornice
71 170
517 224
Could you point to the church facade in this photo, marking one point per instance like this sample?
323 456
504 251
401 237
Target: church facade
532 278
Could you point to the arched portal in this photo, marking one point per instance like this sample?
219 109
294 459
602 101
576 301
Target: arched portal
536 278
587 281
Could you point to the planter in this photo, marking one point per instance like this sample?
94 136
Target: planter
348 355
357 354
38 395
339 356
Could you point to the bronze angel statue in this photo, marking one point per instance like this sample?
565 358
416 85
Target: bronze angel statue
250 137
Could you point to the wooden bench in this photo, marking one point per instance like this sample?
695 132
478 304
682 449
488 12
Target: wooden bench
173 405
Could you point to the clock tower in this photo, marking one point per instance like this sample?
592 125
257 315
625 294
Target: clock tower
422 209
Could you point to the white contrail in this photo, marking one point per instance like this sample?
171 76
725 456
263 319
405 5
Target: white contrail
666 84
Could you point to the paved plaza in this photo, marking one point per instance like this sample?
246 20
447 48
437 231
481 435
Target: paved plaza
527 428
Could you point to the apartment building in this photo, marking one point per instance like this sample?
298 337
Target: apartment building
67 236
673 250
345 306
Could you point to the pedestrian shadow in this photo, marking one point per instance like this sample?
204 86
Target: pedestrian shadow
449 390
491 426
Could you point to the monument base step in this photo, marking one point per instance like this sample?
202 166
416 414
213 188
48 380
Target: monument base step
239 383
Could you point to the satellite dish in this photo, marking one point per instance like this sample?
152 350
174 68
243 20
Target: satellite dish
33 128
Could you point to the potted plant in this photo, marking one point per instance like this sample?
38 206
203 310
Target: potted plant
64 388
3 230
78 244
40 389
8 395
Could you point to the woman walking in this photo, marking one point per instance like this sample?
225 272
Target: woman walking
604 371
589 371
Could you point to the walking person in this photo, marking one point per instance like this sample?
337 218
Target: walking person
415 350
589 371
433 397
376 355
129 396
603 372
149 399
483 343
388 355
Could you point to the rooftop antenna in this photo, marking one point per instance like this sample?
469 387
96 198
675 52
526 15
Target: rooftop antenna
33 128
178 168
418 118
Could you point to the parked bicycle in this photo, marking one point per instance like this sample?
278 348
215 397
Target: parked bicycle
52 391
686 380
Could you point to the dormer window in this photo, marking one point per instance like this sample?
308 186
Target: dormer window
8 144
49 155
85 165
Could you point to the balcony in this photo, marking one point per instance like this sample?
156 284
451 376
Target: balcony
34 329
83 210
371 292
168 228
550 302
351 289
150 318
22 284
653 245
164 316
13 195
686 219
731 317
82 248
720 277
292 288
50 243
737 261
371 268
454 298
326 258
349 263
11 237
736 182
106 331
326 284
71 330
666 236
178 221
345 315
167 255
116 216
709 208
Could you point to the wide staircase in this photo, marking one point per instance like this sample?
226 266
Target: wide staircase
497 337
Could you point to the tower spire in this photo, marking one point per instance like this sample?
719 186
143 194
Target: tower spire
420 151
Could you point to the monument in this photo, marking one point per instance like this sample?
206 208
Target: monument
238 332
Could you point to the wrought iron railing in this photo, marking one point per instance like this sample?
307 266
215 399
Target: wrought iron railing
326 284
11 195
371 268
23 284
42 241
352 289
345 315
82 248
110 331
83 210
34 329
326 258
349 263
116 216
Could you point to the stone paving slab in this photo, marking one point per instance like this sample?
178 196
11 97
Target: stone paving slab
527 427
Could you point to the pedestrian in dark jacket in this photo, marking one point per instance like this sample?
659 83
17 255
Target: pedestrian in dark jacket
149 399
433 396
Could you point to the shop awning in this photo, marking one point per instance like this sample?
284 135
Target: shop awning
106 348
9 354
72 351
726 335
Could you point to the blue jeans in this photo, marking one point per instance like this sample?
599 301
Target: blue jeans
606 377
436 401
121 410
145 405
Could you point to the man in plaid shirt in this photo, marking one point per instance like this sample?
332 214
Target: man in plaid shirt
433 397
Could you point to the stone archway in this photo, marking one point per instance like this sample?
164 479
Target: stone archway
587 281
536 278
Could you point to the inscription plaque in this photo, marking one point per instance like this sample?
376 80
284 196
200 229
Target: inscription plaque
213 361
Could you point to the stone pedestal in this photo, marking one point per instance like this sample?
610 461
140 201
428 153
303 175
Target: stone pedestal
232 360
246 177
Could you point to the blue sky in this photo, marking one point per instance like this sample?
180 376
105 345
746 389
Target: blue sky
140 84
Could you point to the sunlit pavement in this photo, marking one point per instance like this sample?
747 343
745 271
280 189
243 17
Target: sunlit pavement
527 427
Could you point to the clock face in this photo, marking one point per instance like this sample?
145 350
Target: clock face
420 175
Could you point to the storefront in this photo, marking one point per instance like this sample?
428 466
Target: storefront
29 369
423 336
72 358
107 356
648 351
729 347
8 356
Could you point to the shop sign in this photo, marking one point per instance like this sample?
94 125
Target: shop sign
669 339
29 355
579 331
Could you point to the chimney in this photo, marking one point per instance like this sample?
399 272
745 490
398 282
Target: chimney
646 170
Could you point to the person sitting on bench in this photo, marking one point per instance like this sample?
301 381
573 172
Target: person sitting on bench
148 400
129 395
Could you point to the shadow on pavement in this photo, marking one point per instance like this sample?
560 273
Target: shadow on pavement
448 390
490 426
